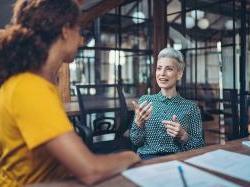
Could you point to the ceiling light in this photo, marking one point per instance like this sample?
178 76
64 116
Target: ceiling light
203 23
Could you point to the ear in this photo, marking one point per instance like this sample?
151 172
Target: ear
179 75
65 33
80 2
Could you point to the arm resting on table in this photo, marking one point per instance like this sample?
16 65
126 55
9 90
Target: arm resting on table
86 166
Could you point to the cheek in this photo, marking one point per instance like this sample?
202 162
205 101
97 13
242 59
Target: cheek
76 39
173 74
156 74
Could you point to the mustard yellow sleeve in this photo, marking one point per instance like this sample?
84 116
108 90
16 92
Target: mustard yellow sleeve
39 112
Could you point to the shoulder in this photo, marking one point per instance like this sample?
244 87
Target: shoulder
31 84
191 104
30 79
27 87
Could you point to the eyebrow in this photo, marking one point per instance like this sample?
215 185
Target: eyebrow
166 66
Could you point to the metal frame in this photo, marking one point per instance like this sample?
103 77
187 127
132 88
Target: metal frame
241 129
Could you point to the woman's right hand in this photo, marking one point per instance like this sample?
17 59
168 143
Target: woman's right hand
142 112
132 157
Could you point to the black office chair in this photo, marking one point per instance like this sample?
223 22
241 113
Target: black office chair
230 112
104 112
85 133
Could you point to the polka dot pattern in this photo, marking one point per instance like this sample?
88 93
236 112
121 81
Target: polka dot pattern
152 138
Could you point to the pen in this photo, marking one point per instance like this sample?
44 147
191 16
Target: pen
180 169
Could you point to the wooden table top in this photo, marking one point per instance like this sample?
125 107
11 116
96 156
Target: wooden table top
120 181
235 146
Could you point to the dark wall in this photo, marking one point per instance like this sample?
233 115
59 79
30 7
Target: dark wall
5 12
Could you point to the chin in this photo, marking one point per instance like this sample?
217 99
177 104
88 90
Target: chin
163 86
68 60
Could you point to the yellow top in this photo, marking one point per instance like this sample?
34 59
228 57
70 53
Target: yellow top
31 114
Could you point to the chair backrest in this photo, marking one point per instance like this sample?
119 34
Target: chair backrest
85 133
103 107
230 98
229 111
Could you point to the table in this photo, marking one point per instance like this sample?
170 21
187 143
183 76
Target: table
72 108
121 181
235 146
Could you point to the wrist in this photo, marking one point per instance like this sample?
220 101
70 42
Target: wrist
134 158
131 156
139 124
184 138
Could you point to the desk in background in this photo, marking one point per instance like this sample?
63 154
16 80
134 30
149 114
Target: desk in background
72 108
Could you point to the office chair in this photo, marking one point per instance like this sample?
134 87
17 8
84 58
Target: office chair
104 112
230 112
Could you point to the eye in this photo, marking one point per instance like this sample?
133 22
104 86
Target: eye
158 68
169 68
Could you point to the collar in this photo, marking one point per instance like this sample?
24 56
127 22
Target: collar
175 99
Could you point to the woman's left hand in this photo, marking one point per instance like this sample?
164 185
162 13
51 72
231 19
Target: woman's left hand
175 130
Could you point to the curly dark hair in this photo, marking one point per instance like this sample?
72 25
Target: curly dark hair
35 26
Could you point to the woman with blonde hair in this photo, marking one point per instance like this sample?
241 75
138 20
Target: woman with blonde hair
166 123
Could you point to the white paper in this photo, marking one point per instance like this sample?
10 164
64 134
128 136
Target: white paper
247 143
167 175
226 162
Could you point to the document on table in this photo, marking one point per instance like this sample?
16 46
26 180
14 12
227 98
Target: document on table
167 175
226 162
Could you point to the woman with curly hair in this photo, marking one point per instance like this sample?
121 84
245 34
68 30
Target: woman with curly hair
37 141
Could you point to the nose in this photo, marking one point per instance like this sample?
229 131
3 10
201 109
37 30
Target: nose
162 72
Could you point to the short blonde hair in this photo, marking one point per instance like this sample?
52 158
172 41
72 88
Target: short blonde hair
172 53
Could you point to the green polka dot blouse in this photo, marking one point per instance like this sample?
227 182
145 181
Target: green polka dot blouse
152 138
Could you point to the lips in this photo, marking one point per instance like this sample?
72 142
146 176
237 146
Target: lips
163 80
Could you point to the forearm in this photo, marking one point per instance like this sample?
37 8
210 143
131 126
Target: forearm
105 166
193 142
137 134
87 167
195 130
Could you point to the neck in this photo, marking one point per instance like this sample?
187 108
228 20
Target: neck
169 93
53 63
49 74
